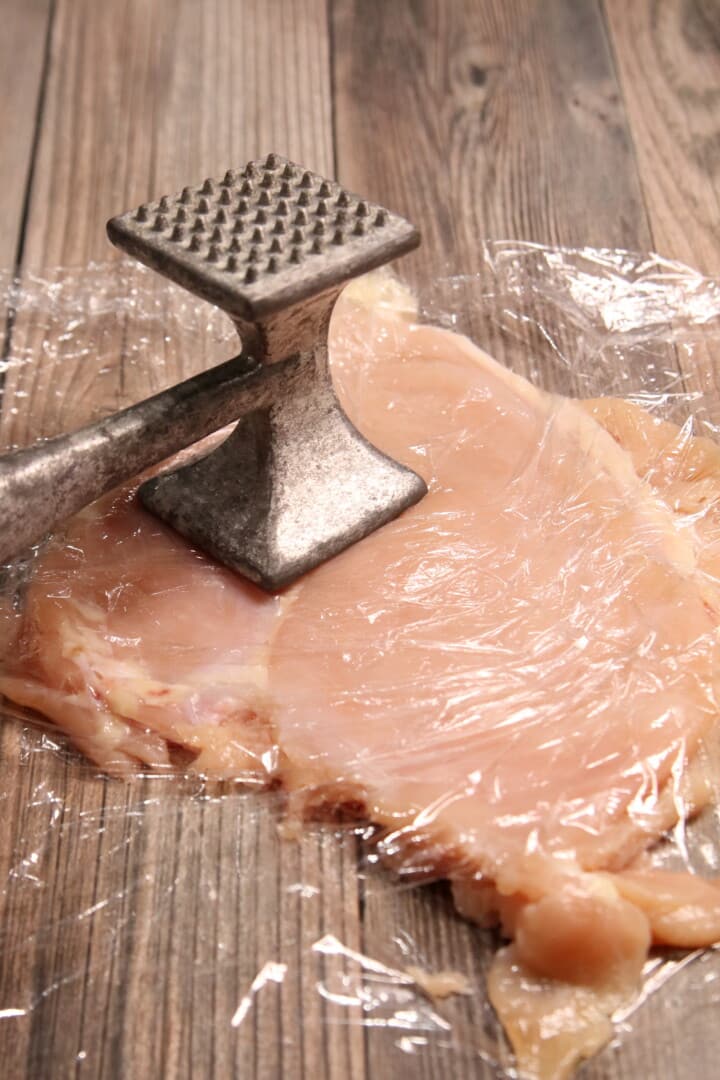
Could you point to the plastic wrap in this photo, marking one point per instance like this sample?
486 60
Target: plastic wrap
429 631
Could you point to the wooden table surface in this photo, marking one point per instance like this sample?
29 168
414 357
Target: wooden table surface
135 917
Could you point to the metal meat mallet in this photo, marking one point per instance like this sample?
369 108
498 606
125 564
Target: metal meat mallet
295 483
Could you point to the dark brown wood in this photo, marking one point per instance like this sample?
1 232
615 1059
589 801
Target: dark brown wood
668 63
136 916
512 127
25 30
22 56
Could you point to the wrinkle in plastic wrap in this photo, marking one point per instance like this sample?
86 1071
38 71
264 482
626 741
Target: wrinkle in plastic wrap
353 951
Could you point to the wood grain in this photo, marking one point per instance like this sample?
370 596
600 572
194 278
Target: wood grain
25 33
24 29
512 126
668 62
135 917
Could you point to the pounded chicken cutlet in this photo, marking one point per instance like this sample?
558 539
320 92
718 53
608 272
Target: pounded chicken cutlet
516 678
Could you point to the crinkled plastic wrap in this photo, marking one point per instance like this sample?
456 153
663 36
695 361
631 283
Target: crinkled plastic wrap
513 681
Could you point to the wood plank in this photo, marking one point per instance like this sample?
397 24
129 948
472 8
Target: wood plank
23 46
512 126
135 918
500 120
668 62
22 52
23 60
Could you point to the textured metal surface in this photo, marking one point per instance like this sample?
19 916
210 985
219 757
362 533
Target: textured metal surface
293 485
262 238
272 246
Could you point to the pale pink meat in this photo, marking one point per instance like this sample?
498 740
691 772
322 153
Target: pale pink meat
131 640
516 678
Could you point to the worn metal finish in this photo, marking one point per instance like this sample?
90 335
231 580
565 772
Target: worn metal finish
272 245
262 239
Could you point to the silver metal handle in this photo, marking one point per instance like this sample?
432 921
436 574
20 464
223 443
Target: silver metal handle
43 485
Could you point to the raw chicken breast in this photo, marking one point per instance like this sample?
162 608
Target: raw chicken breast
131 640
683 469
516 678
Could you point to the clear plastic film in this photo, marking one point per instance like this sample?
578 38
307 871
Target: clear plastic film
511 688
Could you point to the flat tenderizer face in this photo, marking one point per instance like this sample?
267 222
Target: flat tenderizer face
263 238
